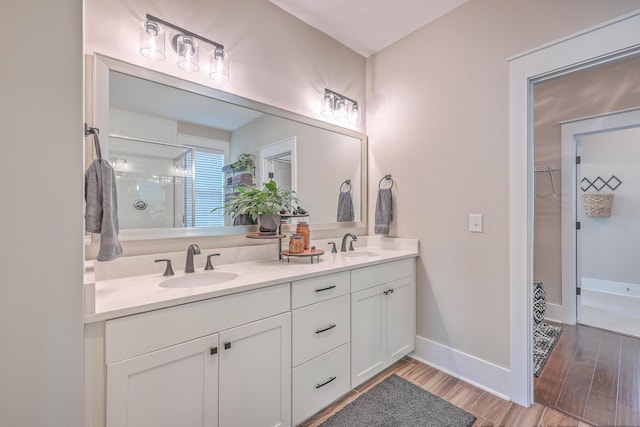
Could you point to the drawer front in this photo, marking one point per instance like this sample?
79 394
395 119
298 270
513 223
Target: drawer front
141 333
321 288
319 382
367 277
319 328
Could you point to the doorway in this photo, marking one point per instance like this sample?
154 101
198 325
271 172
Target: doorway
277 162
612 40
607 275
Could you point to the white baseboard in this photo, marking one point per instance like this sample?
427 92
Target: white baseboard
611 287
470 369
557 313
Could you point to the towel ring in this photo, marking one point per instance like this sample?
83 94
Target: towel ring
385 178
346 182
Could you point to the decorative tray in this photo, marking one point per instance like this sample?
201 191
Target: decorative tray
308 253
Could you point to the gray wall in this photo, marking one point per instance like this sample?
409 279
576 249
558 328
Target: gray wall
41 181
438 121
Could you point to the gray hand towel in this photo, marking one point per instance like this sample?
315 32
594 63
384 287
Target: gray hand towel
384 213
345 207
102 208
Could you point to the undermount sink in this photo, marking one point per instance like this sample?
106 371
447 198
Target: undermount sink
360 254
199 279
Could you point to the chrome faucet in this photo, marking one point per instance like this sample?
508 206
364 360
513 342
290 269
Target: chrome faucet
191 251
343 248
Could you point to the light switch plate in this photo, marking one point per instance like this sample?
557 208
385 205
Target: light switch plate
475 223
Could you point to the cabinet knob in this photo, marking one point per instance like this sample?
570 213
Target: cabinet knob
325 383
227 345
325 289
213 350
319 331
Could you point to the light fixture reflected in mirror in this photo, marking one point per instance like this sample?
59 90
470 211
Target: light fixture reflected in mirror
185 45
342 108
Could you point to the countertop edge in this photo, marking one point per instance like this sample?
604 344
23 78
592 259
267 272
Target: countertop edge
137 309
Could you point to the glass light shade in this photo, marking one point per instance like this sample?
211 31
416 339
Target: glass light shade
152 40
219 65
187 48
354 117
342 113
327 105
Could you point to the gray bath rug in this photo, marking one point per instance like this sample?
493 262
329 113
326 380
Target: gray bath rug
398 403
545 337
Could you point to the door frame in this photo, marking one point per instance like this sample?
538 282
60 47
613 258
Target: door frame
277 149
572 131
597 45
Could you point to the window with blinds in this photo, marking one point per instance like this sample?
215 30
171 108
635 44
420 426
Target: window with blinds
208 192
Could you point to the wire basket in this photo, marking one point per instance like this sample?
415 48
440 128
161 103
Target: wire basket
597 205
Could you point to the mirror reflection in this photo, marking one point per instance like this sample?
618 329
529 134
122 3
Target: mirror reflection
176 154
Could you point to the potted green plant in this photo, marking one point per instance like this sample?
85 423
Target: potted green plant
245 162
264 205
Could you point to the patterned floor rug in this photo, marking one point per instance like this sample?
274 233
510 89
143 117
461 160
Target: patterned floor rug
397 402
545 337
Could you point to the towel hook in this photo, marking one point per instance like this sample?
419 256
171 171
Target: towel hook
88 130
346 182
385 178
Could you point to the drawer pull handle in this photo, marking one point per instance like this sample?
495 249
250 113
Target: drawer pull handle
227 345
325 289
390 291
213 350
325 383
319 331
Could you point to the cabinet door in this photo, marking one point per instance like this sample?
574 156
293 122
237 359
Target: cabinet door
400 301
175 386
368 320
255 374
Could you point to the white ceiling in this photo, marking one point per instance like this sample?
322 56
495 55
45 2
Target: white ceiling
367 26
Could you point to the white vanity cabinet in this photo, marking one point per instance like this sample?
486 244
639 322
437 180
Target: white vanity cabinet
224 361
382 317
321 330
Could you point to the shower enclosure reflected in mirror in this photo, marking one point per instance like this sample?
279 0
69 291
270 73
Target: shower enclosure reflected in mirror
169 139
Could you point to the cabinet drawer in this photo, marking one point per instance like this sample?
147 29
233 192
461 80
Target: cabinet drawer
141 333
319 328
321 288
367 277
319 382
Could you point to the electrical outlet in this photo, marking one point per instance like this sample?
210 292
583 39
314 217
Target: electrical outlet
475 223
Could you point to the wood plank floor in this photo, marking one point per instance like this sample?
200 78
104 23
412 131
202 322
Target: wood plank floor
593 375
489 409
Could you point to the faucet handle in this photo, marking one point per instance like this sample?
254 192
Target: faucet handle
209 265
351 245
333 248
168 271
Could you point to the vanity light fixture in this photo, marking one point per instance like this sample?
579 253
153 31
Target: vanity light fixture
342 108
185 44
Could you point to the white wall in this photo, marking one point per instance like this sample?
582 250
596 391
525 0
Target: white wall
41 181
438 122
609 246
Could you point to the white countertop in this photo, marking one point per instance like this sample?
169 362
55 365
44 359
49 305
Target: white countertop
131 295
